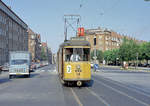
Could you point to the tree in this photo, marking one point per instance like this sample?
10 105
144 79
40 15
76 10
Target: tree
107 56
144 51
128 50
111 56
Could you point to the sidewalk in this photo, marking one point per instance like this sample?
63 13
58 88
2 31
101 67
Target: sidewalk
129 68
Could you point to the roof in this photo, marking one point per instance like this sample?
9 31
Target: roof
75 43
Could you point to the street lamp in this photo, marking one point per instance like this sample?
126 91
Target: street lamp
95 57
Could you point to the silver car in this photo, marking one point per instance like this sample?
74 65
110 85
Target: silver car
5 67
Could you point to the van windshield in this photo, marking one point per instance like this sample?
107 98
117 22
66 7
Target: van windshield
19 62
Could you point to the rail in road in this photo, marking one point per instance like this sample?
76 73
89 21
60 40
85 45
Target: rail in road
105 92
45 88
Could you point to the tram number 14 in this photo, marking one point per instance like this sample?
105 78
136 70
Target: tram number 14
68 68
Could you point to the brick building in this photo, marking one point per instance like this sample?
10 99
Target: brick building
48 52
13 33
105 39
34 45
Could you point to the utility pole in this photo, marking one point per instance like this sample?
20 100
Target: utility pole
95 57
71 21
137 56
47 54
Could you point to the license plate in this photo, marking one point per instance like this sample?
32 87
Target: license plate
18 74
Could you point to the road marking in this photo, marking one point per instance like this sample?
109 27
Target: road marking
76 97
98 97
122 93
127 87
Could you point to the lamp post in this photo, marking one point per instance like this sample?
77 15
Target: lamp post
137 56
95 57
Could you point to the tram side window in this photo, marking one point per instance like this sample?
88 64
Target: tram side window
68 53
86 54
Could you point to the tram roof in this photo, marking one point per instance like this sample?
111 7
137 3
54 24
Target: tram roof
75 43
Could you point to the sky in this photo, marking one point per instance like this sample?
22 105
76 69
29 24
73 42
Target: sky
127 17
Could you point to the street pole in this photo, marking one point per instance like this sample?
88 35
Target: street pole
95 49
137 59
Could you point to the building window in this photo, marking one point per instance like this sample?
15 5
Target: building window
100 37
95 41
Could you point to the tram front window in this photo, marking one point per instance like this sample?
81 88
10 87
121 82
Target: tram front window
77 54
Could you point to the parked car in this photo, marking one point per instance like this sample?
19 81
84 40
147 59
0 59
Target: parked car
33 66
0 69
145 65
37 65
41 64
5 67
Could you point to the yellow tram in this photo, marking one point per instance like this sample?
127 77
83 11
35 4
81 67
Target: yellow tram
73 61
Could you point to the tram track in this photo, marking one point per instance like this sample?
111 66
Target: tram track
76 97
98 97
138 101
124 86
83 102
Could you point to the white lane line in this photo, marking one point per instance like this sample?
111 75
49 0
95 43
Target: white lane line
127 87
98 97
122 93
76 97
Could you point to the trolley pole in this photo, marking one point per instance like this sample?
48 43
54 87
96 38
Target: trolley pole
65 29
71 21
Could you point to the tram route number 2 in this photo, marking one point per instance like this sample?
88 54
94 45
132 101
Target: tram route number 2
68 68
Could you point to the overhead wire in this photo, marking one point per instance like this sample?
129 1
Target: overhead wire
111 8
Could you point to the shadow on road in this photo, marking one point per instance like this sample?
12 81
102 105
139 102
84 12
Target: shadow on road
74 85
23 76
34 75
4 80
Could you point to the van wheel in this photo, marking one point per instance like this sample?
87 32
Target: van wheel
27 76
10 76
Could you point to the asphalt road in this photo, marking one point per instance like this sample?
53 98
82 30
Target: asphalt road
107 88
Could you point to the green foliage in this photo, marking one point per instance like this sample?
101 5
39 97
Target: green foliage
99 55
128 50
111 55
144 51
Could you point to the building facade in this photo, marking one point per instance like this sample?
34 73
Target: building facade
34 45
31 43
105 39
38 47
46 51
13 33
